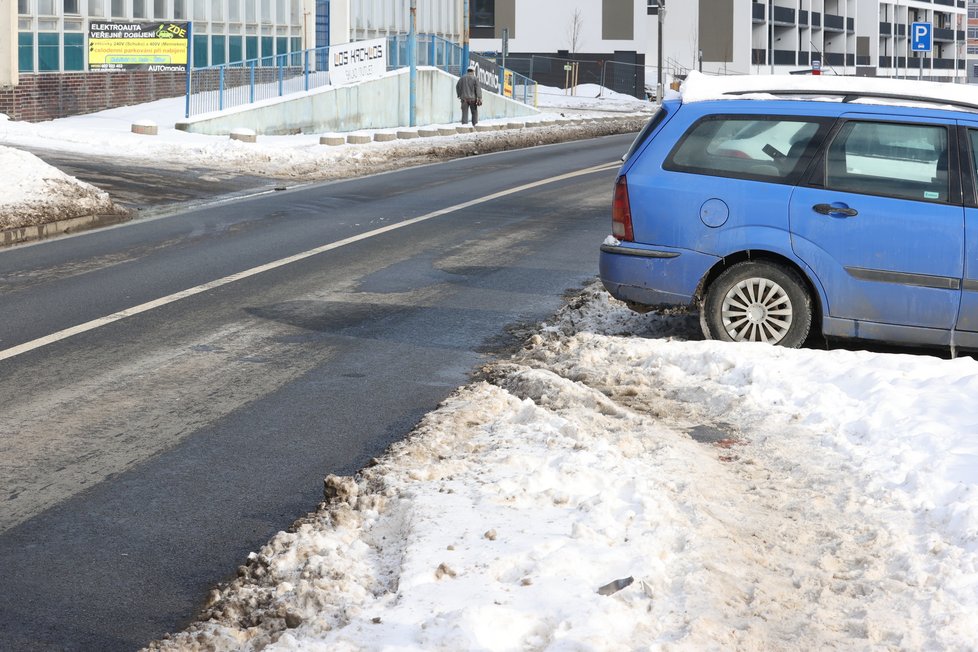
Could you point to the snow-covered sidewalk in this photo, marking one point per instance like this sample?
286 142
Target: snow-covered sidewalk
603 491
35 193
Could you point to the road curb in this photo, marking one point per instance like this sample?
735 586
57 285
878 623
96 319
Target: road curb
23 234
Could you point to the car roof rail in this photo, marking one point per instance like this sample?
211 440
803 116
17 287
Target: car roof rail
849 96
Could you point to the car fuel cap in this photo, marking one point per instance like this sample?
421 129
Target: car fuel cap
714 212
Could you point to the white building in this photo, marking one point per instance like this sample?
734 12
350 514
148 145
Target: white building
846 37
48 36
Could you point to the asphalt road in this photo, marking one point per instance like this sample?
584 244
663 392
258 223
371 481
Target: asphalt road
147 189
174 390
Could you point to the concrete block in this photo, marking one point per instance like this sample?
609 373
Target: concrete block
407 134
384 137
145 127
447 131
358 139
515 125
332 140
485 128
244 135
427 132
465 129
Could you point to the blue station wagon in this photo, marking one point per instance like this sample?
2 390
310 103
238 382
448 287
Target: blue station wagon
780 206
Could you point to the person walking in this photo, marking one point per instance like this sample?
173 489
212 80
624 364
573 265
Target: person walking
470 94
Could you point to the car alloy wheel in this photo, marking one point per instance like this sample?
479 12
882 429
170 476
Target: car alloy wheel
757 302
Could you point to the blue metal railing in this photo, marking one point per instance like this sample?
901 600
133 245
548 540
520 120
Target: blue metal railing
215 88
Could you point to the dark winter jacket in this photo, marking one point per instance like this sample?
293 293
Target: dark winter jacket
468 88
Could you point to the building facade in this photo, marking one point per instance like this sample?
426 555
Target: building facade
50 34
606 39
972 41
844 37
44 54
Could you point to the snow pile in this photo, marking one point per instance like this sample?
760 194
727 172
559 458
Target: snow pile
589 97
606 492
36 193
108 134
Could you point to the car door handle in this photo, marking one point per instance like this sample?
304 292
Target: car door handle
835 210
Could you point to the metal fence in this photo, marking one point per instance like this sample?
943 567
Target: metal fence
432 51
441 53
216 88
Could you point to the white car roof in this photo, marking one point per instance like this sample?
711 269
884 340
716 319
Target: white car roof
884 90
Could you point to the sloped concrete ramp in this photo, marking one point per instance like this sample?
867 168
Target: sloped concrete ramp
382 103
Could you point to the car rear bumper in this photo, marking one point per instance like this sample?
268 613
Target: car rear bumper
652 277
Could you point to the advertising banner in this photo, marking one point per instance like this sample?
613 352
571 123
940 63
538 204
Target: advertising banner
508 83
353 62
155 47
487 72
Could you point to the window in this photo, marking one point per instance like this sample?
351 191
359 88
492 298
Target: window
653 7
217 50
25 51
139 8
159 9
48 52
74 51
483 13
71 7
179 10
759 148
200 50
118 8
235 49
96 8
45 7
23 7
889 159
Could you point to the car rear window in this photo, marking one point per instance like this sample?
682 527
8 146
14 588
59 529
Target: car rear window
751 147
643 136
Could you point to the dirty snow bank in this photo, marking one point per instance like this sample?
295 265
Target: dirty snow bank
606 492
36 193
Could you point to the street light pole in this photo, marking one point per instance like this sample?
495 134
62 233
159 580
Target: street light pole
413 63
465 37
662 17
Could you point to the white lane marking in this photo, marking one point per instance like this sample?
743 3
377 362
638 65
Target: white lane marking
183 294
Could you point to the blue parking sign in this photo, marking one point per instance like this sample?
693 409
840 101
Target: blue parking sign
920 37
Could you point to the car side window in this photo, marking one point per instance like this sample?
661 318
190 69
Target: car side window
904 161
749 147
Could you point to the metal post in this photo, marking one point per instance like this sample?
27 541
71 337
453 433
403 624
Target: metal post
220 91
465 38
305 65
658 85
252 91
281 75
190 63
413 60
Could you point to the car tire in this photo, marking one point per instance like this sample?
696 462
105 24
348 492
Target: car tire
757 302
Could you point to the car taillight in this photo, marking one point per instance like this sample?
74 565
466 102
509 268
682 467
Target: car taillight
621 212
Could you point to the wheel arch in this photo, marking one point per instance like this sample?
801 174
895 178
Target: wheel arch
762 255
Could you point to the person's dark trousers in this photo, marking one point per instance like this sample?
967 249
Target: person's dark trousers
465 113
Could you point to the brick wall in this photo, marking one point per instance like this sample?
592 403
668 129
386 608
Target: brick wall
58 95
